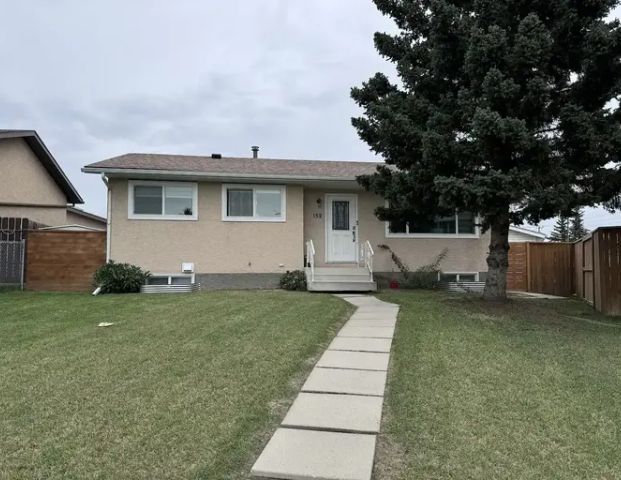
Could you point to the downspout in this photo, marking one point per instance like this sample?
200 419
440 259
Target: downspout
108 222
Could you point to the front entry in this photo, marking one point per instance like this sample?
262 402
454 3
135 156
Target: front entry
341 228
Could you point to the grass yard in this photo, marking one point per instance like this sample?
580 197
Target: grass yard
182 386
528 390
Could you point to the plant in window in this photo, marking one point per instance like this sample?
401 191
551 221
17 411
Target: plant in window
120 278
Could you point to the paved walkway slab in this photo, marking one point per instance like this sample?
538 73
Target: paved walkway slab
348 413
361 344
383 315
371 323
330 430
366 332
306 454
356 382
354 360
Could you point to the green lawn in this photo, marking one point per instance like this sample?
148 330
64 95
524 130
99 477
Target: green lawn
528 390
182 386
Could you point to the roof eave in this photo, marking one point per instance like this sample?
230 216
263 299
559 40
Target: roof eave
31 137
128 172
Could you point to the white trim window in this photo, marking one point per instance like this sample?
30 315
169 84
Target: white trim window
458 277
254 203
460 225
152 200
171 279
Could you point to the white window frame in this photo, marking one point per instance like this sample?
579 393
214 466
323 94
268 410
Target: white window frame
170 275
407 234
476 275
258 187
155 183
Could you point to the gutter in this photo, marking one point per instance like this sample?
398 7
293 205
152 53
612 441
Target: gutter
104 179
206 175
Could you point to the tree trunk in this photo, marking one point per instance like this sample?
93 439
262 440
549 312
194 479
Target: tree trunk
497 260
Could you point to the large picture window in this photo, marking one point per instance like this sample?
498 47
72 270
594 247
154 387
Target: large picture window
258 203
461 224
162 200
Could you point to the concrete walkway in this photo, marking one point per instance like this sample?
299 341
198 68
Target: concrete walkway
330 430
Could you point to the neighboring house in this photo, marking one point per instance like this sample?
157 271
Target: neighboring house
78 217
34 187
242 222
521 234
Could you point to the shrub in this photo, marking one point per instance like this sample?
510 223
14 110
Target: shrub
295 280
425 276
120 278
424 280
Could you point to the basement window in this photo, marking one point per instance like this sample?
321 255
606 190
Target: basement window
253 203
458 277
162 200
174 279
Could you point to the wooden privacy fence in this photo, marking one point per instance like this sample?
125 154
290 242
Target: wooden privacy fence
598 269
63 260
550 267
589 268
541 268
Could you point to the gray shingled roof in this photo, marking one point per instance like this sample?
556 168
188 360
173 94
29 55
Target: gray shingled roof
47 160
263 167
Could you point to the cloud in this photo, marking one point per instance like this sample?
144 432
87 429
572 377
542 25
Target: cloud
98 79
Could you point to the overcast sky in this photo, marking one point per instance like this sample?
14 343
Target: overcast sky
102 78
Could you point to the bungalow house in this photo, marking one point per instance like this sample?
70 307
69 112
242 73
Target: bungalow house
243 222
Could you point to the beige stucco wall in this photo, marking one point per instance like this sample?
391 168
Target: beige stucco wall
213 245
75 219
51 217
464 254
24 181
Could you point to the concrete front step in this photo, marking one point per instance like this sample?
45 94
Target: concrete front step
340 271
342 286
340 279
343 278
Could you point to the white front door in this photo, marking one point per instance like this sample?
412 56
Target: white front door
341 228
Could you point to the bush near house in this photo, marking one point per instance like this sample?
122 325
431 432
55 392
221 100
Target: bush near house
120 278
295 280
425 276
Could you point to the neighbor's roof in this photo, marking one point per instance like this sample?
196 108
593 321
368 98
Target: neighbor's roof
526 231
232 166
85 214
45 157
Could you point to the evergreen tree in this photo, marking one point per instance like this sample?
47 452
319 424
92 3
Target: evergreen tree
577 230
503 108
561 230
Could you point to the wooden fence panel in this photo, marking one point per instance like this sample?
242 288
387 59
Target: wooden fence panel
550 268
63 260
609 298
578 266
587 271
517 274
